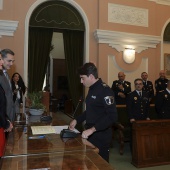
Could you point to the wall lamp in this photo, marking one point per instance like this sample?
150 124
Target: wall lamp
129 55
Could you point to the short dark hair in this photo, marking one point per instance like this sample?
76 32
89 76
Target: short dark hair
138 79
144 73
4 53
87 69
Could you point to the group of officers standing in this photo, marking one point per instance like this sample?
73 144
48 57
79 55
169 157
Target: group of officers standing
138 101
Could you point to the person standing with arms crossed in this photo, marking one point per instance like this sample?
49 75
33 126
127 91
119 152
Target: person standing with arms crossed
100 113
8 60
5 124
161 82
121 88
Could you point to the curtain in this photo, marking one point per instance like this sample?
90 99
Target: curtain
74 53
38 54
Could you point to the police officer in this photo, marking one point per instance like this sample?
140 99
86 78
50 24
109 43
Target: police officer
100 113
147 85
162 103
137 105
161 82
121 88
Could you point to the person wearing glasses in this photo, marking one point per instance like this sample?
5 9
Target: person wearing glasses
121 88
137 105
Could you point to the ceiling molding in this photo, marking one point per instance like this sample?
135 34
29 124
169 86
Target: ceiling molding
7 27
163 2
122 40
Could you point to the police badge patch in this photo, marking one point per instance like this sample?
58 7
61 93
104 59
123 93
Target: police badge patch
135 98
109 100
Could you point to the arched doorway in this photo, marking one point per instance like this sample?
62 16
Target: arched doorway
33 7
165 57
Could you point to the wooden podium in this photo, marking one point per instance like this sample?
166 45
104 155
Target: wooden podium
151 143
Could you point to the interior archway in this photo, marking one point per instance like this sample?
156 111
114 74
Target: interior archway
165 44
32 8
86 38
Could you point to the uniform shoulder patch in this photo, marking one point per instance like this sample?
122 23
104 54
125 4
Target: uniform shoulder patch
109 100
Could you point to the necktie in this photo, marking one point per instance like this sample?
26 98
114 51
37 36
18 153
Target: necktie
7 77
140 94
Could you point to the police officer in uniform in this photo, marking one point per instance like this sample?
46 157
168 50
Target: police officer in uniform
137 105
147 85
121 89
162 103
161 82
100 113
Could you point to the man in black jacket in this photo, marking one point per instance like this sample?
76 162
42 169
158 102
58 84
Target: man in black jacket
100 113
162 103
161 82
147 86
121 88
137 105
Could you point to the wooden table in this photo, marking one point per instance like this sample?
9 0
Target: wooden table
84 160
50 152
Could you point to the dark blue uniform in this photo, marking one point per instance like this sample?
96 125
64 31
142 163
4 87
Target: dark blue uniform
160 84
101 113
138 107
162 104
127 89
148 87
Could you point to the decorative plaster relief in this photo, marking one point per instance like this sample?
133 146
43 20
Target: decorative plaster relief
7 28
127 15
1 4
122 40
163 2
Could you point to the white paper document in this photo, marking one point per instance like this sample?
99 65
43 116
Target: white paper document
37 130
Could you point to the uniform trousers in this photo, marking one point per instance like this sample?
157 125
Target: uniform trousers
102 140
2 141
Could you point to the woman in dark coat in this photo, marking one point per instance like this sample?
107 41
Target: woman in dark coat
18 88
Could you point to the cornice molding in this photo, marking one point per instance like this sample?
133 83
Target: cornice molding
122 40
7 27
163 2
